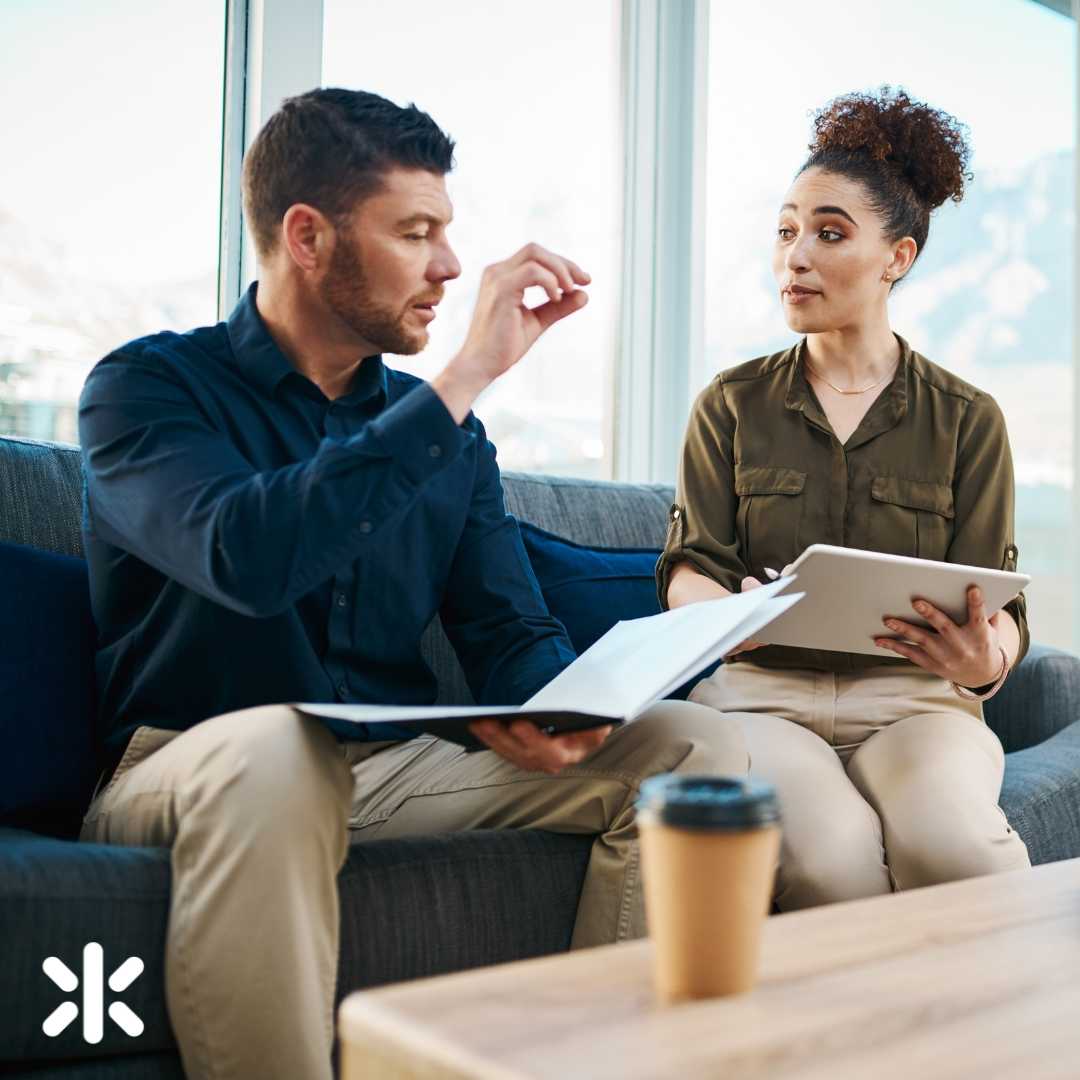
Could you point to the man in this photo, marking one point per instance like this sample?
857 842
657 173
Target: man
272 515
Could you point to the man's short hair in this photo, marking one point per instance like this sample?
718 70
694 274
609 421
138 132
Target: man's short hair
330 148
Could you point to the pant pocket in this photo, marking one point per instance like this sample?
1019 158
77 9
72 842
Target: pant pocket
144 740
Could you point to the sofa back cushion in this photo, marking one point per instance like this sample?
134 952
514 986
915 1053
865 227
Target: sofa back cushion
40 506
41 495
48 765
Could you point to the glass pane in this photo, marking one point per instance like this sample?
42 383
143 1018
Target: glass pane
109 203
992 298
540 163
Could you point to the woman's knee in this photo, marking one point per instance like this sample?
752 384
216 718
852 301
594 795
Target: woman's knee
962 842
841 858
935 780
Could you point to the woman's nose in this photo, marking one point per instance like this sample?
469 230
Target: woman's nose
797 259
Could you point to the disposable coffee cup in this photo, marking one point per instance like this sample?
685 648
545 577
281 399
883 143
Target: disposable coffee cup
709 847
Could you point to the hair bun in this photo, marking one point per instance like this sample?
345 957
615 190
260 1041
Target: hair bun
925 145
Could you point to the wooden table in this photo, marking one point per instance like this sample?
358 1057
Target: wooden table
979 978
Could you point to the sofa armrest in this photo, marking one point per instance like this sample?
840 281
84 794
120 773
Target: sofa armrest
1041 796
1040 698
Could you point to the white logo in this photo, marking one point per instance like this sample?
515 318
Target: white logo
93 994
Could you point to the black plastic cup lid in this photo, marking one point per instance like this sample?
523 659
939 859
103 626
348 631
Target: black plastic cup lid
708 802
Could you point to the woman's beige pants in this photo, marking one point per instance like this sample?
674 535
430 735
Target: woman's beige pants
886 779
259 808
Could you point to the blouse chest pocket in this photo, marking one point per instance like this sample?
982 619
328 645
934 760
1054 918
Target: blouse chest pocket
911 517
769 515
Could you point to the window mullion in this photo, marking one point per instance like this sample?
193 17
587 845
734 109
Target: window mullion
273 50
665 62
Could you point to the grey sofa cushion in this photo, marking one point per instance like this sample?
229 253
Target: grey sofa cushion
41 495
1040 698
411 907
161 1066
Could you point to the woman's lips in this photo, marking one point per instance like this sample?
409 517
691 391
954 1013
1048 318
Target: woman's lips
799 296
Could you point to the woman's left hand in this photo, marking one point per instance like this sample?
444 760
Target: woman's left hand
967 655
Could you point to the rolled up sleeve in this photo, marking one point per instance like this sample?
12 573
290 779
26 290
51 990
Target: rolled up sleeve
701 522
984 495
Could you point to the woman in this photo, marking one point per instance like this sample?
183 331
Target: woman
887 774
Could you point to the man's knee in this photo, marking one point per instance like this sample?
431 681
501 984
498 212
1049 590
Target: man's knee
679 736
273 764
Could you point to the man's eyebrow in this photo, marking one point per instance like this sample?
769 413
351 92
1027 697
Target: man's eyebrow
825 210
422 219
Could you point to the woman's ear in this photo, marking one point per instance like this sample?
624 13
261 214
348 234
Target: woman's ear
903 255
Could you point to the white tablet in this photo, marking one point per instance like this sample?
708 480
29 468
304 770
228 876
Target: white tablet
849 592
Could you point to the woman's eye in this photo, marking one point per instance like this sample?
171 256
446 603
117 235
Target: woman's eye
830 235
784 233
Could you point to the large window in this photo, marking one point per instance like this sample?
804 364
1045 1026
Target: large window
533 104
992 299
109 193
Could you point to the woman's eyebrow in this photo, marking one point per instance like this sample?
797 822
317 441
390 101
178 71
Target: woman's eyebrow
825 210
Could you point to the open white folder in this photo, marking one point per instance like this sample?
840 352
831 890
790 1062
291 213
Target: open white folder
633 665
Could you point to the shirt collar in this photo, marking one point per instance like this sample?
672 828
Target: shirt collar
262 362
883 414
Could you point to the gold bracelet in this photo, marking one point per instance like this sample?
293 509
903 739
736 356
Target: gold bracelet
970 695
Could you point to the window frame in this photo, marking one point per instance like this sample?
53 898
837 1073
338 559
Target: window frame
273 49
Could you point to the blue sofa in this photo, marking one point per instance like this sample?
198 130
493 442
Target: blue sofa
409 908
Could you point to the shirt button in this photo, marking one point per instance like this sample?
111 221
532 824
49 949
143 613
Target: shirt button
366 527
435 450
341 601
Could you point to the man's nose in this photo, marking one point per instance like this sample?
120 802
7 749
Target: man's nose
444 266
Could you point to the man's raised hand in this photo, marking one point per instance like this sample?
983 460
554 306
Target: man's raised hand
503 329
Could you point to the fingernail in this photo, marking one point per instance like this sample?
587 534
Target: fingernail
771 573
892 625
920 606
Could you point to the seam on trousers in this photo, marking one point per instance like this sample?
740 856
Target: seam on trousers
878 822
382 815
630 879
630 870
833 710
184 980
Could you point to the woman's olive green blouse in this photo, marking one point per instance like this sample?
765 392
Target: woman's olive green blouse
928 472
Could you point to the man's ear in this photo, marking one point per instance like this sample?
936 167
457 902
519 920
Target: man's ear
307 236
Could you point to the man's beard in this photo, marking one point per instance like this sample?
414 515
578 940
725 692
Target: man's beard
345 290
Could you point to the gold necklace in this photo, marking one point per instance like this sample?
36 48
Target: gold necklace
837 388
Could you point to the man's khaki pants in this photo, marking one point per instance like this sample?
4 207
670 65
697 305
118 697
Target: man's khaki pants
259 808
886 778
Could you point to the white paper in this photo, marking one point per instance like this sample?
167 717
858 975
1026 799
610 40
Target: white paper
637 662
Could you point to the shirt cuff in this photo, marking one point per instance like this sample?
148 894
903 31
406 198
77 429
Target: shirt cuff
420 434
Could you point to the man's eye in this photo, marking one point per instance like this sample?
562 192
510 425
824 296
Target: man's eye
416 236
830 235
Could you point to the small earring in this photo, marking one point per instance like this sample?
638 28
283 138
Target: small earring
886 277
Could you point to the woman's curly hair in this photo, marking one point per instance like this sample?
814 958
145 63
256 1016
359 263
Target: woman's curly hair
909 157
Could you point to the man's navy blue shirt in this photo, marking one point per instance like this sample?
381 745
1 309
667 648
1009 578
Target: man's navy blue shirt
250 541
